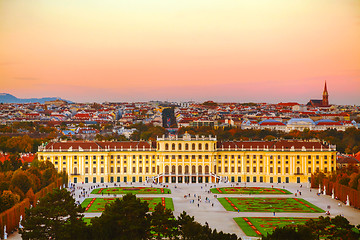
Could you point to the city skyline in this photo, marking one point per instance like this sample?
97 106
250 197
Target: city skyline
226 51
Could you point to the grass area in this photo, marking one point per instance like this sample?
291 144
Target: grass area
249 190
257 226
87 221
98 204
269 205
134 190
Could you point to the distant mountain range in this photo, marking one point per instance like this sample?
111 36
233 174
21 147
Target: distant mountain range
8 98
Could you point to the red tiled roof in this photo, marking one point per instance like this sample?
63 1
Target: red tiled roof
347 159
28 157
329 124
100 146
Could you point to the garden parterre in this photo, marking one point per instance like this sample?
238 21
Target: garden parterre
133 190
249 190
98 204
269 205
257 226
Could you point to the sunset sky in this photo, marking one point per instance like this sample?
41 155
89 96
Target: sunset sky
178 50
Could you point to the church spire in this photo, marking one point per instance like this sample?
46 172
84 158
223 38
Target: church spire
325 89
325 101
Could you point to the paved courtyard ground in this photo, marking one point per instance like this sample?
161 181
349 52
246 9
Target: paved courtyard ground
217 216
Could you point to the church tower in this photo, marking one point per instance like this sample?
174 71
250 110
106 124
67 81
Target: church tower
325 101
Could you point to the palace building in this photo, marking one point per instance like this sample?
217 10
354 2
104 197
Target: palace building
190 159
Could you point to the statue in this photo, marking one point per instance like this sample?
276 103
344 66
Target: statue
5 233
347 201
20 226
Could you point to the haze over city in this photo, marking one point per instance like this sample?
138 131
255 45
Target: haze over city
261 51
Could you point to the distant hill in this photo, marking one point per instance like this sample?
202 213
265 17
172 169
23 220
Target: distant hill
8 98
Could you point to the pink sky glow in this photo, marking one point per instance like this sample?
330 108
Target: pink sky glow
137 50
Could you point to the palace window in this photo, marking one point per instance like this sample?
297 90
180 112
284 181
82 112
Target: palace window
86 170
247 169
102 170
102 157
226 169
94 170
173 146
118 169
200 146
64 157
179 146
206 146
261 169
111 169
166 146
193 147
186 146
125 169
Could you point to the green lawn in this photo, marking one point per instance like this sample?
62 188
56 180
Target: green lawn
257 226
134 190
98 204
269 205
87 220
249 190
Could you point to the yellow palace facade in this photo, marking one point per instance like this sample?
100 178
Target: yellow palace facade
190 159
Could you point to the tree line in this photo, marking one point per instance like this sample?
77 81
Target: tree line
347 141
24 182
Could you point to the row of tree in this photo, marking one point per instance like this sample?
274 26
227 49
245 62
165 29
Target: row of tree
348 176
58 217
16 185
